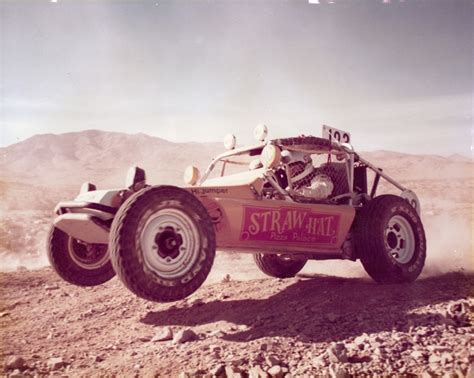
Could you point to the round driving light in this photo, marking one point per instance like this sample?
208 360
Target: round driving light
230 141
260 133
271 156
191 175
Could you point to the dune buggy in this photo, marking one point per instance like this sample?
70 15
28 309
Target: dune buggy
285 201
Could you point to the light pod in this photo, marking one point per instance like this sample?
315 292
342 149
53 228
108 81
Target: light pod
191 175
230 141
260 133
271 156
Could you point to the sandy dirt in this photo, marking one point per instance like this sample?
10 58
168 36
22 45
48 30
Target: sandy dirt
312 324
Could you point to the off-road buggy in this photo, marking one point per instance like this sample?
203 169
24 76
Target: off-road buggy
285 201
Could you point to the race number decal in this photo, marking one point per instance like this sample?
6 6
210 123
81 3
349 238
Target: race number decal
332 133
286 224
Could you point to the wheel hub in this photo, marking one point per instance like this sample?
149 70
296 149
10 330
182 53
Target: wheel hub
400 239
87 256
168 243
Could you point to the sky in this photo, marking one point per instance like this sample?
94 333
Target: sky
398 75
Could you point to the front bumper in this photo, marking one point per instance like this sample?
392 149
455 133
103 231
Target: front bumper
86 221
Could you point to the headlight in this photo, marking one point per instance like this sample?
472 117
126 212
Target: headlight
260 133
230 141
271 156
191 175
135 176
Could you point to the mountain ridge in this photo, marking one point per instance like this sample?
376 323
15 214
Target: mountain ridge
102 156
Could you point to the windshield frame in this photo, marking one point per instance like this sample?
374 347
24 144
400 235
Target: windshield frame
254 150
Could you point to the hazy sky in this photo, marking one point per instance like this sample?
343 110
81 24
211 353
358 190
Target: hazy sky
398 74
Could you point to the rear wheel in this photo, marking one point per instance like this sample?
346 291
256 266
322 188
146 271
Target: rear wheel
79 263
390 240
162 243
278 265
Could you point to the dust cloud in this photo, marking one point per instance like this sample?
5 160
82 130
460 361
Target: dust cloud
449 243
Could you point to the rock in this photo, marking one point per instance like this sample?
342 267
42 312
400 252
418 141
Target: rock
217 333
417 355
319 361
457 308
257 372
336 371
51 287
275 371
145 338
3 314
263 347
218 371
55 363
98 358
163 334
196 302
434 359
446 358
15 362
200 373
438 349
272 360
184 336
337 353
16 374
470 370
233 372
361 340
450 374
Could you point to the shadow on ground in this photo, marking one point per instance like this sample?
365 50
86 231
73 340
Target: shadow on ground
326 308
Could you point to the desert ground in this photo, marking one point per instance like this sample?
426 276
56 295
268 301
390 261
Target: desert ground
329 320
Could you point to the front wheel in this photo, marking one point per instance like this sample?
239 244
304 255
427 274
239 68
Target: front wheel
162 243
278 266
390 240
79 263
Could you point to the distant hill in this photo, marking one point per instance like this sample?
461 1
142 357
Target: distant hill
426 167
99 156
65 160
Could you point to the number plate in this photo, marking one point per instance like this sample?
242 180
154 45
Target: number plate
332 133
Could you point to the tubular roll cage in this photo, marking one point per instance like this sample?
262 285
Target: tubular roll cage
336 148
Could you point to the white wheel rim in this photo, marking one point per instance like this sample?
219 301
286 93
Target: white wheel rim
400 239
87 262
156 258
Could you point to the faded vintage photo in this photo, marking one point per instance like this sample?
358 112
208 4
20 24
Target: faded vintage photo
235 188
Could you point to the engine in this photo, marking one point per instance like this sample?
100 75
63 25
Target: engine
303 179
